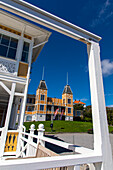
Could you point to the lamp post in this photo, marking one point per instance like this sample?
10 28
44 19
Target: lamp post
51 125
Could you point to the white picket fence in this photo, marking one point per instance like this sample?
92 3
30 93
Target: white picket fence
27 148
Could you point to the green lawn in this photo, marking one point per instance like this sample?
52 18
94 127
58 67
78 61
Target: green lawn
64 126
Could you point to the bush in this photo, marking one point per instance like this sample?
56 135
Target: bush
90 131
77 118
88 119
112 131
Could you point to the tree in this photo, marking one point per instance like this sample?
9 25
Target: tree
87 114
110 116
78 107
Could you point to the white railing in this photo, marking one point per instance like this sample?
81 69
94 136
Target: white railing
7 66
28 148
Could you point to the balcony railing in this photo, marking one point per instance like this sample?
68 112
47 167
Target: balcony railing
7 66
56 104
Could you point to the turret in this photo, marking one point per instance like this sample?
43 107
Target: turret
67 99
41 101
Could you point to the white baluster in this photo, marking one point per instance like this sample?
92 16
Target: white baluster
41 134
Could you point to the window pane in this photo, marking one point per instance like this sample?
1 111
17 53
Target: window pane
11 53
5 40
28 118
69 110
30 108
78 113
26 46
63 101
42 97
41 107
24 56
3 50
69 101
13 42
27 100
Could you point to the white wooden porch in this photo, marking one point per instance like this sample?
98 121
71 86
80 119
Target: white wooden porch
35 159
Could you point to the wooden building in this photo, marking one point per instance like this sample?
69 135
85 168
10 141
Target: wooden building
40 107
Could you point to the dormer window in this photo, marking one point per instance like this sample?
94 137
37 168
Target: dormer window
8 46
25 52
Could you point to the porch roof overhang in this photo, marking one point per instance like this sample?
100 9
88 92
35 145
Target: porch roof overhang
38 34
37 15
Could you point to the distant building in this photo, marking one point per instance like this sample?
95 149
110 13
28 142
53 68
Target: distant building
78 110
40 107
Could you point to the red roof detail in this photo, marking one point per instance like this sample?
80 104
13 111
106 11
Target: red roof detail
79 102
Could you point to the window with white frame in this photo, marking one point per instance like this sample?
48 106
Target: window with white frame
25 52
8 46
30 108
63 101
41 107
29 118
42 97
69 110
69 101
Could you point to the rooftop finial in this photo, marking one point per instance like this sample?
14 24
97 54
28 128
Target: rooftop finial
67 78
43 74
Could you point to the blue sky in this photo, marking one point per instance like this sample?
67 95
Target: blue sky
63 54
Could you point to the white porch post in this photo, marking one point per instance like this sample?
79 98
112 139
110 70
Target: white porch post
4 133
14 114
26 86
21 104
101 135
19 50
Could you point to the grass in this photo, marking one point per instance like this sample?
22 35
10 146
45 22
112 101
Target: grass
110 129
64 126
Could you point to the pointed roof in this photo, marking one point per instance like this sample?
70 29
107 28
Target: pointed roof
67 89
42 85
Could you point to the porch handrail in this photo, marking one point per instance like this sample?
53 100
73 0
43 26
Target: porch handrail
13 131
65 145
28 149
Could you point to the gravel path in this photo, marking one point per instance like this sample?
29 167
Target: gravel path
81 139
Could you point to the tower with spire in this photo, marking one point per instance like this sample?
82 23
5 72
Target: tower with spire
41 99
67 99
47 108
